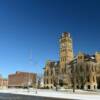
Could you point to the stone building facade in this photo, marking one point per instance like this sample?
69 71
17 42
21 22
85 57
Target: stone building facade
50 73
85 72
83 68
66 55
22 80
60 71
97 57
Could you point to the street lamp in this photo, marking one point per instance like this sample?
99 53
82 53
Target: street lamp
28 83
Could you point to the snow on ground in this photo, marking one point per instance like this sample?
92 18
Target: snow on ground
79 94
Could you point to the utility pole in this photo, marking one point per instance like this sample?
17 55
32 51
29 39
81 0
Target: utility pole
30 63
36 79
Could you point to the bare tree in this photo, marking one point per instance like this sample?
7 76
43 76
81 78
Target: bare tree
55 78
74 77
39 79
73 66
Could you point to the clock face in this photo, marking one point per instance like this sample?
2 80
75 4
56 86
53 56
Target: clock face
63 45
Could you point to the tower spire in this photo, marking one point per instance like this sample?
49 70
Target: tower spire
66 49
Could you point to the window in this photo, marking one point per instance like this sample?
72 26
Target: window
88 79
94 87
93 79
92 68
87 69
71 71
47 73
51 72
62 70
64 50
80 57
65 58
77 87
47 81
51 81
69 50
61 59
44 82
81 69
95 68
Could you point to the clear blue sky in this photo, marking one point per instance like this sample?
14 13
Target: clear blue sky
36 25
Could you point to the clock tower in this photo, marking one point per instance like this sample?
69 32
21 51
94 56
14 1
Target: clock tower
66 50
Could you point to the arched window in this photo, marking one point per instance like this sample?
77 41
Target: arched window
44 82
88 79
47 81
92 68
51 81
93 79
87 68
81 69
47 73
51 72
95 68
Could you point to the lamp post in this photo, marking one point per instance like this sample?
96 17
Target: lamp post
36 84
28 81
30 62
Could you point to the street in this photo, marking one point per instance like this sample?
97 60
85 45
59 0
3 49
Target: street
8 96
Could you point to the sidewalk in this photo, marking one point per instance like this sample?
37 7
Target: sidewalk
82 95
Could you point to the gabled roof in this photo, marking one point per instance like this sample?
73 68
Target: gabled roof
52 64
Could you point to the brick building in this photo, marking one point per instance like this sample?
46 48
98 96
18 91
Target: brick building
3 82
22 80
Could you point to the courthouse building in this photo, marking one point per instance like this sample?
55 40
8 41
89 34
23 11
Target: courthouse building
60 70
86 68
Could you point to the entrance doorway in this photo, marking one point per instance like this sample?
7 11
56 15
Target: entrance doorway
98 82
61 83
88 86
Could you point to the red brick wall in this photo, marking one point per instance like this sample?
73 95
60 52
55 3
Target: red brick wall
21 79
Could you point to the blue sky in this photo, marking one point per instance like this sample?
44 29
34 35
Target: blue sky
34 27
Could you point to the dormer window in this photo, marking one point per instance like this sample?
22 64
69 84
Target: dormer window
80 57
